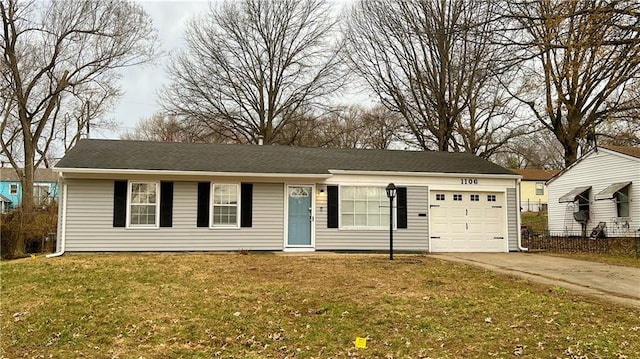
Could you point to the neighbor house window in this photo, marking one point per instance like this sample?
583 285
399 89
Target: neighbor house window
622 202
440 197
225 205
475 197
364 207
13 188
143 204
491 198
41 194
539 188
457 197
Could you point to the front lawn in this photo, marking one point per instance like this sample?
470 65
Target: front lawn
265 305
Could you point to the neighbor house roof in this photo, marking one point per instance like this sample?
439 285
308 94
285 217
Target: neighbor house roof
40 175
236 158
532 174
627 150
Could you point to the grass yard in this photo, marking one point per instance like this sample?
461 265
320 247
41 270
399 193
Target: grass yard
266 305
536 221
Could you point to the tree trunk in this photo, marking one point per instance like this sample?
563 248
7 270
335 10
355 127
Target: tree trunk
27 206
570 147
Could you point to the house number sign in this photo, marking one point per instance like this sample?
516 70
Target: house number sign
468 181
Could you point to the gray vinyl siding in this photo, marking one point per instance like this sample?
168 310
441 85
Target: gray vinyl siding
513 211
413 238
90 222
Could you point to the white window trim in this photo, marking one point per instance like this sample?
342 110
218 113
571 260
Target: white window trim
13 192
49 196
211 205
366 228
143 226
536 188
617 204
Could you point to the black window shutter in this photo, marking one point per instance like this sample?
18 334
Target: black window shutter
401 203
246 204
332 206
119 203
166 204
204 192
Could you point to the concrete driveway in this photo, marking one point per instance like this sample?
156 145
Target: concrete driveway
614 283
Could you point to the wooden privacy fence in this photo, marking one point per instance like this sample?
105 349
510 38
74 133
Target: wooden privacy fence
558 242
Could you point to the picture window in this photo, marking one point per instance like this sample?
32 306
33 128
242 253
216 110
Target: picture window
364 207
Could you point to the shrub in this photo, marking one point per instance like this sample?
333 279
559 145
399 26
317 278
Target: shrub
16 228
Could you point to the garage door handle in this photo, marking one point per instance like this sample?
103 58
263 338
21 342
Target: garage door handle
498 237
434 205
435 237
496 206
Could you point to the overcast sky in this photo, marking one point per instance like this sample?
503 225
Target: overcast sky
141 83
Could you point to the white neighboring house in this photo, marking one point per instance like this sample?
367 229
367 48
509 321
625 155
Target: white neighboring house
603 186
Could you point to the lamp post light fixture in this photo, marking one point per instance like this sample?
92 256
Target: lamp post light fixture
391 194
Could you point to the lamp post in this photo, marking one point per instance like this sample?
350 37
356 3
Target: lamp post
391 193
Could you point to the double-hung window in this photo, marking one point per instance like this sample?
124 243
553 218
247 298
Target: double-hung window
364 207
539 188
144 208
622 202
225 205
41 194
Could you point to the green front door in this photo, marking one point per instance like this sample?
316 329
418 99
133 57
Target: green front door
300 216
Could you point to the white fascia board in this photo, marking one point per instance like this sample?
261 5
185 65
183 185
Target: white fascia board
103 171
623 155
422 174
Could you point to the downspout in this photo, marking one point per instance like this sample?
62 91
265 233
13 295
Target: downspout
63 225
519 216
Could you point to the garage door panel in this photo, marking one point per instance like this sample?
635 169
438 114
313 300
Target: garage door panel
474 224
493 229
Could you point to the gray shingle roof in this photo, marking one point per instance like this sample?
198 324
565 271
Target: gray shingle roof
40 175
141 155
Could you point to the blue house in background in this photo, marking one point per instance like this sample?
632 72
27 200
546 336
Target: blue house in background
45 188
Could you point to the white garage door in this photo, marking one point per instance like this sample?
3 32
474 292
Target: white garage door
467 222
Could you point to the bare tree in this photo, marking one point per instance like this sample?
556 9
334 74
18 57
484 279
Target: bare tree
351 126
539 149
578 64
252 67
59 57
431 61
168 128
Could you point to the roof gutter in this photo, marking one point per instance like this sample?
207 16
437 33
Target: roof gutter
424 174
63 225
120 171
